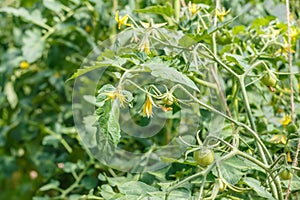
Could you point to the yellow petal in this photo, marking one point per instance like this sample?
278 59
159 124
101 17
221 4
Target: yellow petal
124 19
283 139
275 138
145 24
24 65
117 16
288 157
285 120
147 109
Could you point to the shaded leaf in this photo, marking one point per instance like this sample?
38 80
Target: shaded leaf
237 59
256 186
51 140
171 74
53 5
232 170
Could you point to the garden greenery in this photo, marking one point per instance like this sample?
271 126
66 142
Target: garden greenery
220 80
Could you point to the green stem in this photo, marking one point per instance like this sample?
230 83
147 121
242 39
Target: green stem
62 140
205 83
275 188
219 61
75 184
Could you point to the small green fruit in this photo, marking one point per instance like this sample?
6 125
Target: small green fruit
286 174
269 79
204 157
169 99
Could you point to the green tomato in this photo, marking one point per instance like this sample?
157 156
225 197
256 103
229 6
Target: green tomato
269 79
204 157
168 100
286 174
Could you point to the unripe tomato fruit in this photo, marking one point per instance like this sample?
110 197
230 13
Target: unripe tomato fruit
168 100
286 174
204 157
269 79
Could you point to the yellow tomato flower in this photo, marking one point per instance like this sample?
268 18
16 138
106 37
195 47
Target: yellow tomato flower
294 33
285 49
145 46
151 24
285 120
147 109
272 33
88 28
288 157
24 65
121 20
114 95
279 138
193 8
222 13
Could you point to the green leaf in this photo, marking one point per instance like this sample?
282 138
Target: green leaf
162 71
34 17
85 70
180 194
54 184
232 170
116 62
11 95
158 9
53 5
119 180
69 167
33 46
187 41
238 30
106 147
219 26
256 186
276 9
237 59
109 122
51 140
41 198
109 115
136 188
89 182
107 192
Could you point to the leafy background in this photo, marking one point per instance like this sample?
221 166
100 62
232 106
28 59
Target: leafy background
42 44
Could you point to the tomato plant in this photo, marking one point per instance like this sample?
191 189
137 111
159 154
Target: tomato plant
149 99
